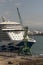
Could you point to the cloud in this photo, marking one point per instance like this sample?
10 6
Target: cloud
3 1
11 0
18 4
22 0
7 12
33 22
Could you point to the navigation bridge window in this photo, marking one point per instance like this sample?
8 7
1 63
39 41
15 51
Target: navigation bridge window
16 36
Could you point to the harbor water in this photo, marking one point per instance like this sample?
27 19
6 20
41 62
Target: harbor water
37 48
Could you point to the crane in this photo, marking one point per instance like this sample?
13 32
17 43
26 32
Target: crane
19 17
25 49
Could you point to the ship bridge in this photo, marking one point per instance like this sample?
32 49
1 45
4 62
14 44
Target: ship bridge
11 31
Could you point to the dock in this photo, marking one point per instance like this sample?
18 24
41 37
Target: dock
14 59
35 34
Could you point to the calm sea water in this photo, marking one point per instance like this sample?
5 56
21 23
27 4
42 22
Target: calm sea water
37 48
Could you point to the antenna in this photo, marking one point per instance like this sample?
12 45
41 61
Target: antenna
19 16
3 19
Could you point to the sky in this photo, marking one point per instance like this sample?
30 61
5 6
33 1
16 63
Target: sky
31 12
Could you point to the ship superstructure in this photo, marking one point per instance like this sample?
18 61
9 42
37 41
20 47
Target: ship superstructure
12 32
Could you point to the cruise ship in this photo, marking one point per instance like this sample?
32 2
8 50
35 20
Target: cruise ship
13 32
